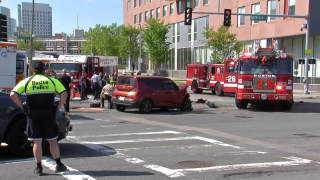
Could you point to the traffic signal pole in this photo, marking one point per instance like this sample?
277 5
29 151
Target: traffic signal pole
306 82
31 51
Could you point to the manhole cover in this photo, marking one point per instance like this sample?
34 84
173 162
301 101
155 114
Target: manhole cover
306 135
195 164
128 122
243 116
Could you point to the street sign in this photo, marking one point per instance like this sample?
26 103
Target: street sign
22 37
308 55
308 51
140 60
259 17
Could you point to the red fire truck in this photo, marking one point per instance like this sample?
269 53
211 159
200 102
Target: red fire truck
76 64
266 76
218 78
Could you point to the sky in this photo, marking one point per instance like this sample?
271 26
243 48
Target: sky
64 13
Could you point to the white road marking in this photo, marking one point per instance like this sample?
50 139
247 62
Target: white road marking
140 140
102 120
128 134
109 125
294 162
113 153
83 122
71 174
17 161
217 142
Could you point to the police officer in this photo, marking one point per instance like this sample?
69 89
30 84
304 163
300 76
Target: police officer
40 91
66 82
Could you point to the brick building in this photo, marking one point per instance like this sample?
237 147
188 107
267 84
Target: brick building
186 38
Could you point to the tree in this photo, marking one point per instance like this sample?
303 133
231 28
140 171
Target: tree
22 44
129 46
105 40
223 43
155 37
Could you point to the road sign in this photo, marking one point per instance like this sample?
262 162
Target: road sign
308 51
308 55
22 37
259 17
140 60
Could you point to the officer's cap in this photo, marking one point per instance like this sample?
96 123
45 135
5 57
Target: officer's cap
39 66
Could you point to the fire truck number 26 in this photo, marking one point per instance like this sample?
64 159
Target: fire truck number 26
231 78
270 84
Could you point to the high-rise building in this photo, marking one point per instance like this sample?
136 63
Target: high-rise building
42 18
12 23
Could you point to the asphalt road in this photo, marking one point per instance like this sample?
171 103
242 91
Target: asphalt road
209 143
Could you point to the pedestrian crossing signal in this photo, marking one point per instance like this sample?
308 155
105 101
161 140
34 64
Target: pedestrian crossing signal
188 16
227 17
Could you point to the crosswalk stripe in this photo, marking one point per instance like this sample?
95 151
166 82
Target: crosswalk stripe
140 140
128 134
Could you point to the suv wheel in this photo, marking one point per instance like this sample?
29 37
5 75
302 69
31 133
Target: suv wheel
120 108
186 105
18 140
146 106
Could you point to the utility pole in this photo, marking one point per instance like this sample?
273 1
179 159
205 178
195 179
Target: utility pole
31 51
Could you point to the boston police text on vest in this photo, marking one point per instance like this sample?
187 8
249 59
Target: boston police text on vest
40 85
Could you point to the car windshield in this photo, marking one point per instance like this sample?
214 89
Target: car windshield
253 66
69 67
127 81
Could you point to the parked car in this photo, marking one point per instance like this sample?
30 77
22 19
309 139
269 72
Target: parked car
13 123
147 92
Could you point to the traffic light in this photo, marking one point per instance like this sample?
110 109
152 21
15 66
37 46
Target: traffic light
188 16
3 28
227 17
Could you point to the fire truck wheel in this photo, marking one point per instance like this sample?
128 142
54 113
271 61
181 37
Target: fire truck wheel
213 92
195 88
241 104
218 90
287 105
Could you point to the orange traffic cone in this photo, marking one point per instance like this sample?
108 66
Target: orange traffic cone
73 93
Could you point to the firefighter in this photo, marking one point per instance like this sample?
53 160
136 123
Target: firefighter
112 81
41 110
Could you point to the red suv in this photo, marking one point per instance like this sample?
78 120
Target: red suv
147 92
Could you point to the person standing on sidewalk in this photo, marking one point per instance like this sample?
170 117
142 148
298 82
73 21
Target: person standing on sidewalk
66 82
84 86
40 110
95 84
106 94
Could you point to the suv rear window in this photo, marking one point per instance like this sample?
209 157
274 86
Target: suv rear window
127 81
152 83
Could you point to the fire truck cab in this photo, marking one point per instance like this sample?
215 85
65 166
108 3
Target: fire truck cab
216 77
266 76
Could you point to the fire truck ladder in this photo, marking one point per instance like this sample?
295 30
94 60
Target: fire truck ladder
268 52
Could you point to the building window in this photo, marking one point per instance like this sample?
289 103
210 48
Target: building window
255 10
146 1
146 16
165 10
129 5
178 32
189 33
171 8
141 2
272 9
158 12
196 3
135 3
141 17
174 33
205 2
241 19
180 6
152 14
135 19
188 3
292 7
207 22
195 28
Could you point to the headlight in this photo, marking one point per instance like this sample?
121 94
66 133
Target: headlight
247 83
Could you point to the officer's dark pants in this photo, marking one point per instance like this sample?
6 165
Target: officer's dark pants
66 106
83 92
96 90
106 97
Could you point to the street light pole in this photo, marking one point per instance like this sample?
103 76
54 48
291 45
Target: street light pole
306 83
91 43
31 42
